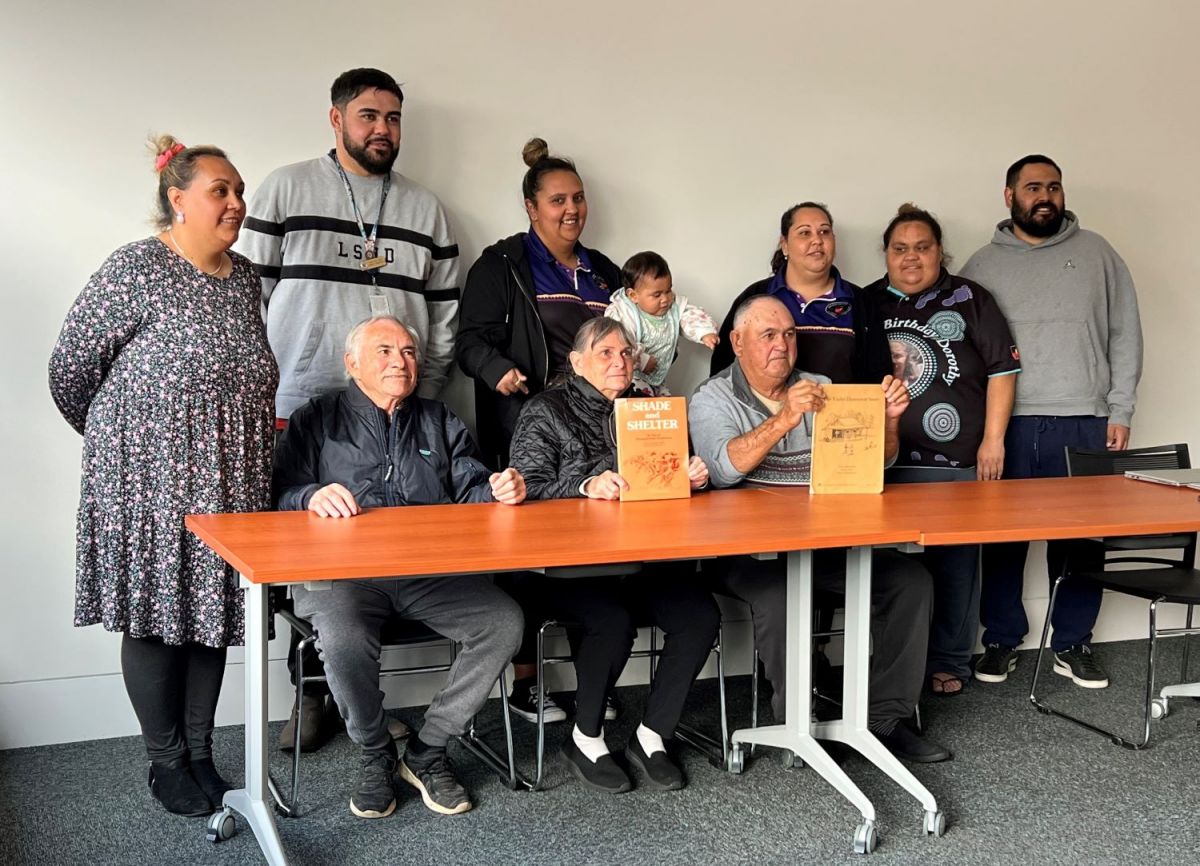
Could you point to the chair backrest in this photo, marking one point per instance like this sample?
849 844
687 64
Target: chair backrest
1082 461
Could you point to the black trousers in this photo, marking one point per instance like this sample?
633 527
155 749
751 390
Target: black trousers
607 612
901 604
174 691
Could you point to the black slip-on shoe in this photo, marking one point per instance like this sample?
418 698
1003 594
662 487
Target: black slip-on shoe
603 775
662 774
904 743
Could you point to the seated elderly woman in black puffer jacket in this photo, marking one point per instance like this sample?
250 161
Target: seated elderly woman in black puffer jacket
563 446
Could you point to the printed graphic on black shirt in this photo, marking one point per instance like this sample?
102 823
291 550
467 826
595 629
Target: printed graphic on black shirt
945 343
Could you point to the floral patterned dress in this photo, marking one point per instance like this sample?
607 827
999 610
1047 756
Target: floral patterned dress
168 375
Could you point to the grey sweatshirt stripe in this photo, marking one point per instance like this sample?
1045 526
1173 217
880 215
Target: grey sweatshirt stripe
302 236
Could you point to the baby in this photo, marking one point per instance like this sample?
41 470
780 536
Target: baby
654 315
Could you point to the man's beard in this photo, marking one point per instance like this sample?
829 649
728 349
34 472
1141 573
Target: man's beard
365 157
1041 226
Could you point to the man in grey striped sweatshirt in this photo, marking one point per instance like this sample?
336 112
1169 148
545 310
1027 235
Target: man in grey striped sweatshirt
343 237
337 240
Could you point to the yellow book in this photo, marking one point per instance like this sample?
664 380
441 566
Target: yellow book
848 445
652 447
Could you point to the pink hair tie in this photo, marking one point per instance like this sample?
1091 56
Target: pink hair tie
163 158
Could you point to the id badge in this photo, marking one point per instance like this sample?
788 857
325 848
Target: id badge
379 304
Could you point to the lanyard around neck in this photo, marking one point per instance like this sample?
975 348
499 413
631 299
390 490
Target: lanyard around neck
362 229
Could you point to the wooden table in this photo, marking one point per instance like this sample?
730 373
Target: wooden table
294 547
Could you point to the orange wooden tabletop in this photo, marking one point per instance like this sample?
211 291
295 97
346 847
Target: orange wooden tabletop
273 547
1039 509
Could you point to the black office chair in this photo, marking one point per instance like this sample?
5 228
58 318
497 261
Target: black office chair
1169 581
397 634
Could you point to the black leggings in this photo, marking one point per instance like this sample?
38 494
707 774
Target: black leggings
174 692
608 612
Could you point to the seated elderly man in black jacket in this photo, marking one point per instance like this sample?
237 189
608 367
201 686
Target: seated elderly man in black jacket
371 444
563 444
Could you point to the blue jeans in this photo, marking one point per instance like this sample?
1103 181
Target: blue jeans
955 572
1035 447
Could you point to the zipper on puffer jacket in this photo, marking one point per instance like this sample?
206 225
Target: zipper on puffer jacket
383 438
537 318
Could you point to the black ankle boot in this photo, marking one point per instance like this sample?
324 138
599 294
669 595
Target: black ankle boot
210 781
178 792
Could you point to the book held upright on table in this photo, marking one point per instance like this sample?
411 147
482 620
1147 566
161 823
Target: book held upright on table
847 441
652 447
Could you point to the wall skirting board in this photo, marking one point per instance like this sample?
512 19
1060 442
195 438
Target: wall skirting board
69 709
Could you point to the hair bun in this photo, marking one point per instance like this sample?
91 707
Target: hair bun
164 147
534 151
908 208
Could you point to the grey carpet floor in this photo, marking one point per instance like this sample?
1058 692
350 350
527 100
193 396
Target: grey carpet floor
1023 788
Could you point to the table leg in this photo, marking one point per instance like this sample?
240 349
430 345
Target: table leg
252 801
851 729
795 734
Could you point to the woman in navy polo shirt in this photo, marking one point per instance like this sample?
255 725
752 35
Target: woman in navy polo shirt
839 331
952 347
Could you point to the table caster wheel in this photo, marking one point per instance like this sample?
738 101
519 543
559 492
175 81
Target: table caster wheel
736 762
1159 707
935 823
789 761
865 838
221 826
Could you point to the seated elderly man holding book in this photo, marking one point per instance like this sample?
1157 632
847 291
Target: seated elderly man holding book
375 443
752 424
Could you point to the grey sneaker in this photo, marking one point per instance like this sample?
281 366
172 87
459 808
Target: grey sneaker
375 796
1080 665
996 663
431 774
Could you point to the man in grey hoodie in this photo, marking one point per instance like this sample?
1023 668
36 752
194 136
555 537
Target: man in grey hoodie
1071 304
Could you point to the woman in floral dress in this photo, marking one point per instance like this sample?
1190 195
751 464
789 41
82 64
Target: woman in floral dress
163 366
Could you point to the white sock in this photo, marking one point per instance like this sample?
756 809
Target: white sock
593 748
651 742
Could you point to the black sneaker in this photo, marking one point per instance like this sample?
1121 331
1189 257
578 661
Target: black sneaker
1080 665
210 781
375 796
178 792
662 774
431 774
603 775
996 663
611 710
906 745
523 702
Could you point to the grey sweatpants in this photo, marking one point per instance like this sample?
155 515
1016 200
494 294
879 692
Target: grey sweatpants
349 617
901 600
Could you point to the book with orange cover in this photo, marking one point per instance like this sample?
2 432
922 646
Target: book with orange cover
652 447
848 443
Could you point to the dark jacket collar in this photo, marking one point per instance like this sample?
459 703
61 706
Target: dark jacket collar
361 404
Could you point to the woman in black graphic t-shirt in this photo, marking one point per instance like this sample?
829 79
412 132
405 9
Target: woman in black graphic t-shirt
952 347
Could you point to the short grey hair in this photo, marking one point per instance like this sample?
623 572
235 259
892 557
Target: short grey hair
745 307
354 338
596 329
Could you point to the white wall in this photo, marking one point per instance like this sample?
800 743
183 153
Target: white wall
693 127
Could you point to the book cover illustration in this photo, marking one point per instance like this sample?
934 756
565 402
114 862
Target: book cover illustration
848 443
652 447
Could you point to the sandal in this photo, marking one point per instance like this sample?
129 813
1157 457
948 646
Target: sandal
946 685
